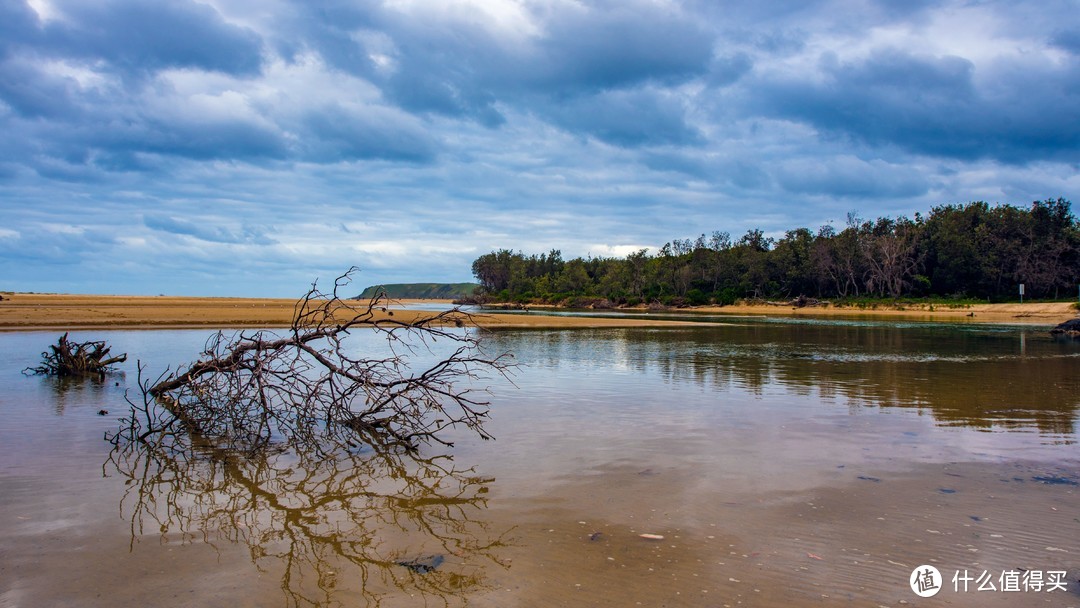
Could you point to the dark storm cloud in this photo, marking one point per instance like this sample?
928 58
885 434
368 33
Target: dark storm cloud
459 68
330 27
439 91
606 73
140 37
18 23
90 138
438 67
372 133
934 105
60 121
34 94
626 118
621 44
202 139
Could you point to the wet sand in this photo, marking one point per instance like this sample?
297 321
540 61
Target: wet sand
852 541
64 311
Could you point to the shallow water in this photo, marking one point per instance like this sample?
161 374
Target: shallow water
784 463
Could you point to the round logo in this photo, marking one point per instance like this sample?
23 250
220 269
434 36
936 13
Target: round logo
925 581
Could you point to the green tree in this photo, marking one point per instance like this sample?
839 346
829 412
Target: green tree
494 270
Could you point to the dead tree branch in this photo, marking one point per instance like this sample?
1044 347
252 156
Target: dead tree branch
310 387
72 359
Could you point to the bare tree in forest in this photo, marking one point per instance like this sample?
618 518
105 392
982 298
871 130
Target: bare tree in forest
309 386
890 250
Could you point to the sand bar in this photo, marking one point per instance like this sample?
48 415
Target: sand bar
64 311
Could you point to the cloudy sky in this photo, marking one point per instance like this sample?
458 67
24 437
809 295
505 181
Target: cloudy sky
246 147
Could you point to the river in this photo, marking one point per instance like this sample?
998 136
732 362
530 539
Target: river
782 461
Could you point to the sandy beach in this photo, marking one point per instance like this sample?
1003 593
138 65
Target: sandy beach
1039 313
62 311
65 311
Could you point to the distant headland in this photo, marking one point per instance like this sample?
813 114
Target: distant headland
421 291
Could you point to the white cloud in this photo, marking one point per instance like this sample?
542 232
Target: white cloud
63 228
45 9
507 19
617 251
84 75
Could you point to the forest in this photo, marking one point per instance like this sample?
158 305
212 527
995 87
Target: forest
957 251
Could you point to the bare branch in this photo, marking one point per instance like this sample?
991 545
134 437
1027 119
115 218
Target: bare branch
68 359
309 387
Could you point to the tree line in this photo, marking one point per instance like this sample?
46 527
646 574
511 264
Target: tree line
973 250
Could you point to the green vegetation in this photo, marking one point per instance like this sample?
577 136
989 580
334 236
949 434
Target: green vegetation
439 291
957 255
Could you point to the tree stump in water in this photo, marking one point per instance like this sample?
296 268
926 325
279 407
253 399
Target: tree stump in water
73 359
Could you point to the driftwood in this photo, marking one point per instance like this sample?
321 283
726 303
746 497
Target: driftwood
803 301
310 387
72 359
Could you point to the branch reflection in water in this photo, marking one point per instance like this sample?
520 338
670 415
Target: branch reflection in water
376 522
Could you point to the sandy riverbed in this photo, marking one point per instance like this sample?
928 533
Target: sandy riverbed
26 311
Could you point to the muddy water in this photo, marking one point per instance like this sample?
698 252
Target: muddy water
784 463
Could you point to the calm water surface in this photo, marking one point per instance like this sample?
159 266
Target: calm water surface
784 462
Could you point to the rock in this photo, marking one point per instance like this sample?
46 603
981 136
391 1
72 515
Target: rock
423 565
1068 328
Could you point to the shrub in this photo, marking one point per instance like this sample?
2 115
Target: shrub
726 296
696 297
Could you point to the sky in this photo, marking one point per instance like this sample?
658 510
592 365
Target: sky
249 147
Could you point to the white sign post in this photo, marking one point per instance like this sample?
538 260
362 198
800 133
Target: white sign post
1021 293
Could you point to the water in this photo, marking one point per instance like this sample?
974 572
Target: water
783 463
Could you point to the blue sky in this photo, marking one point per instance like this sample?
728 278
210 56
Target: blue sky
246 147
